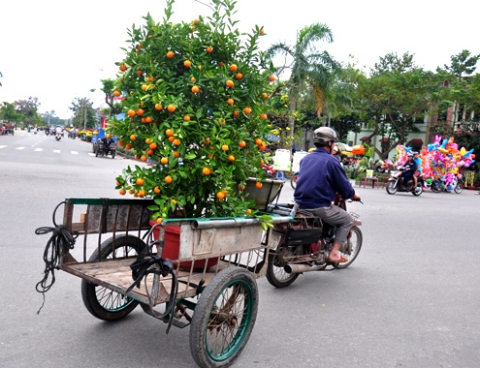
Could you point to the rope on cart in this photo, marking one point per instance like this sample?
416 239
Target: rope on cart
52 255
163 267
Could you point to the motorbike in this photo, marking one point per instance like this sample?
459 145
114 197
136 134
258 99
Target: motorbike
58 136
394 184
304 245
438 186
268 170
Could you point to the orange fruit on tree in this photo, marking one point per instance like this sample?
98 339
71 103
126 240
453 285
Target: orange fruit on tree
168 179
131 113
147 141
130 191
148 119
247 110
171 108
233 67
263 116
144 158
231 158
258 184
235 113
164 160
271 78
144 87
116 93
140 73
153 145
159 220
230 101
141 193
176 154
177 142
239 76
209 49
206 171
128 147
258 142
229 83
186 118
123 67
122 191
225 147
261 31
140 112
158 107
168 132
156 190
242 143
120 143
187 63
220 195
248 211
140 181
150 152
171 138
150 79
133 137
196 22
195 89
193 79
170 54
221 64
264 95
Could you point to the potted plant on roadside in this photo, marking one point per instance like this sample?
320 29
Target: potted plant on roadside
195 104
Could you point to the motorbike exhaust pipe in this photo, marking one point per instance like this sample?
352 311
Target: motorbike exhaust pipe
299 268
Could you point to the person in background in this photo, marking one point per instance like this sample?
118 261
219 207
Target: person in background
418 172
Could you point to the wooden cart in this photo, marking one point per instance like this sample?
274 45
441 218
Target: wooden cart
218 260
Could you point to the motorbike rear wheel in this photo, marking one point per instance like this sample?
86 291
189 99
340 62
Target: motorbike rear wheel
276 274
351 248
436 186
293 180
418 190
392 187
459 188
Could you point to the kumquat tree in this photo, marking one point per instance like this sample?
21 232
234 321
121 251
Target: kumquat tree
196 99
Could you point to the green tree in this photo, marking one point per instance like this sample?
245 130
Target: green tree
310 67
108 88
9 113
28 109
84 113
463 63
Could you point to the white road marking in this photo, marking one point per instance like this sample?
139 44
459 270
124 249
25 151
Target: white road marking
74 153
91 154
56 151
38 149
20 148
3 146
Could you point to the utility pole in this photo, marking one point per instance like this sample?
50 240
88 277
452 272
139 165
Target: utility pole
85 117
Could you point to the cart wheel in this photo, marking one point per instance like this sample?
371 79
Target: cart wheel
276 274
113 154
224 318
96 152
104 303
351 248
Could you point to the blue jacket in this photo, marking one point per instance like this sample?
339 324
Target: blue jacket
320 177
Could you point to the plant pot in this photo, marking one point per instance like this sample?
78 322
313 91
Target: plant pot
171 249
266 194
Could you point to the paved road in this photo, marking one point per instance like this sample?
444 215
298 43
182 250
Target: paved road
410 300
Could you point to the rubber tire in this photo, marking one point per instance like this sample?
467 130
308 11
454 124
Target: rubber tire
113 154
459 188
435 187
199 331
355 252
391 187
271 275
89 290
293 180
418 190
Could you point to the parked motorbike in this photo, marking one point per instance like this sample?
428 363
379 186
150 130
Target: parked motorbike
394 184
438 186
268 170
304 245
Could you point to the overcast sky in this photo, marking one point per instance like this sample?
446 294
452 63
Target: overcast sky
58 50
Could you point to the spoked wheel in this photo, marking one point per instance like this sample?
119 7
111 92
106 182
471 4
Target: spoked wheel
293 180
418 189
224 318
104 303
351 248
392 187
459 188
276 274
97 152
436 187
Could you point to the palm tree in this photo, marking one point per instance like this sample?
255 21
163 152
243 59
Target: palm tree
310 68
